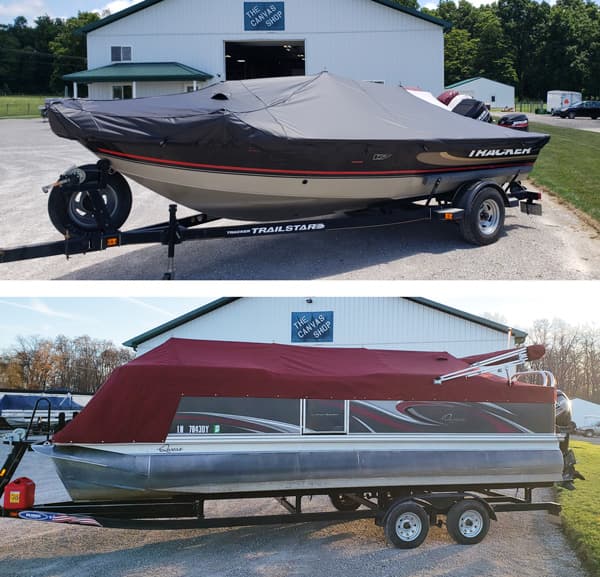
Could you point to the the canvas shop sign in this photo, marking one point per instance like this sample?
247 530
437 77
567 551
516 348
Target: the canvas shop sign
264 16
312 327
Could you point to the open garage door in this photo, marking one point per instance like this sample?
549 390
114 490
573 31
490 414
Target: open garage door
264 59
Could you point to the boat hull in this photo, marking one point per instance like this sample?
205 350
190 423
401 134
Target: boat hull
283 463
264 197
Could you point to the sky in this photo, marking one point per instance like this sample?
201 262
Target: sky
31 9
119 311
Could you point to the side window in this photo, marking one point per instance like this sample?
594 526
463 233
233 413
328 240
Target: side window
324 416
120 53
123 92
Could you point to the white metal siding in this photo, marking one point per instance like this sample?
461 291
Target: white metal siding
372 322
483 89
356 38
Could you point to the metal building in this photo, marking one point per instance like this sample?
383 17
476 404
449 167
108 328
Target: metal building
494 94
168 46
374 322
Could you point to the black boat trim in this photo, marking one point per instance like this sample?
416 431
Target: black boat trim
294 172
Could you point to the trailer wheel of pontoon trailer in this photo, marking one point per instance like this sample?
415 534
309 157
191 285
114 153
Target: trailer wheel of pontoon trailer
468 521
483 220
73 210
343 502
406 525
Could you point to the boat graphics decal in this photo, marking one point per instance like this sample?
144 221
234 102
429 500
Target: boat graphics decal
220 415
443 158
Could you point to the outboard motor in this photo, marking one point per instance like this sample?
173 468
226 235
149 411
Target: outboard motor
565 425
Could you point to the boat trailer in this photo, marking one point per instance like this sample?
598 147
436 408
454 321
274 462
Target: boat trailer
477 208
404 514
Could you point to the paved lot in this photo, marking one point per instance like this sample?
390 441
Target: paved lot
555 246
523 544
579 123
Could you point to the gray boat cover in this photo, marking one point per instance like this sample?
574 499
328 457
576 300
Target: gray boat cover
324 107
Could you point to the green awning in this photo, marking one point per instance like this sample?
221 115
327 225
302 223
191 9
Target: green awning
138 71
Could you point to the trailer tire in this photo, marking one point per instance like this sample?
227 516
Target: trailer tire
406 525
588 433
73 212
483 220
468 521
343 503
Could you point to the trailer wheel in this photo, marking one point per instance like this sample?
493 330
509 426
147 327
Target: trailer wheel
483 220
588 433
343 503
406 525
75 211
468 522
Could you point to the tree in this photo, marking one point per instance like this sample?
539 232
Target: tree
69 48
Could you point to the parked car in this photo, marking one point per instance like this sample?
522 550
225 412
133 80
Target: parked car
589 108
516 120
591 428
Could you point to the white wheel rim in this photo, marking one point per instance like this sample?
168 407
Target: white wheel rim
489 217
408 526
470 523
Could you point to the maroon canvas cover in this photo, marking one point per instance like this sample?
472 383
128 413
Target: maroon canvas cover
139 399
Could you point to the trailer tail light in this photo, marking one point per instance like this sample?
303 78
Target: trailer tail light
19 494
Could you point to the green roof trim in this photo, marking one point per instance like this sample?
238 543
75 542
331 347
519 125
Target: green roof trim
456 84
178 321
140 71
519 335
147 3
217 304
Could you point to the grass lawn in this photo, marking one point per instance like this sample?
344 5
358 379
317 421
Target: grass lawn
581 508
569 167
20 106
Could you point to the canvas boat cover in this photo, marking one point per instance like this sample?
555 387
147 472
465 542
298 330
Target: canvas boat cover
138 401
323 107
17 402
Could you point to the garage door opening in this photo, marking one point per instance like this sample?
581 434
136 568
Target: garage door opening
263 59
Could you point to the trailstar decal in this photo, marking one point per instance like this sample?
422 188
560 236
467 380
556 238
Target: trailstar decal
287 228
499 152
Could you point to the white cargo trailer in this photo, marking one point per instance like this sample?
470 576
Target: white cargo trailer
558 98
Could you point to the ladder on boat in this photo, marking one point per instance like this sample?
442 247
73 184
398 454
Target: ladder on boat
21 443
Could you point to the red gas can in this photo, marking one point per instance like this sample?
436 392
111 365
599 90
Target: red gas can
19 494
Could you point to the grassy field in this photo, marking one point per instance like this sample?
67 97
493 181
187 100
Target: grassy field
569 167
581 508
20 106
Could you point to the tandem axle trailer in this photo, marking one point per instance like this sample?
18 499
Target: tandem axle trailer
405 514
79 208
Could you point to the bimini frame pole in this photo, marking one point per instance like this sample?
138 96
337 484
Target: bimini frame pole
503 361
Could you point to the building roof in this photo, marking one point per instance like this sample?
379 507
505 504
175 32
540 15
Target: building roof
468 80
147 3
141 71
134 342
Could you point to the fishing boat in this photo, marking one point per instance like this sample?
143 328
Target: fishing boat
213 418
291 147
17 409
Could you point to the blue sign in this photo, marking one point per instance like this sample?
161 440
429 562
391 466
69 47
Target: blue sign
264 16
312 327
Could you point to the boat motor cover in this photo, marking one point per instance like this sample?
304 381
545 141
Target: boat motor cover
138 401
317 108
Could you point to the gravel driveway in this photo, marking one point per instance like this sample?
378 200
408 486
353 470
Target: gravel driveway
557 245
518 544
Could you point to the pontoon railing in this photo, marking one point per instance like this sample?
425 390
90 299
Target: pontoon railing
548 379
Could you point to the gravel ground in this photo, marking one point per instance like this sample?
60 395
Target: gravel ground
523 544
557 245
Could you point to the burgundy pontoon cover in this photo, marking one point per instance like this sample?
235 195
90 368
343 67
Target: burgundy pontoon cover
139 399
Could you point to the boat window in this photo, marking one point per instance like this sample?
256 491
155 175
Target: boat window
325 416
